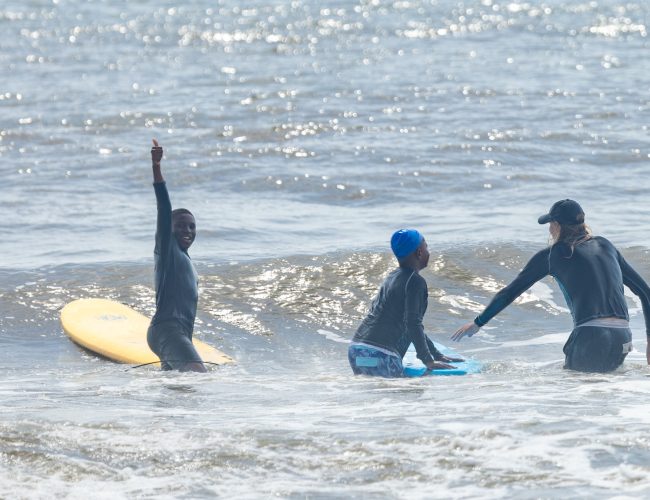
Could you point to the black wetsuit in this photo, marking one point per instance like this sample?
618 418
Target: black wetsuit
396 314
591 278
177 293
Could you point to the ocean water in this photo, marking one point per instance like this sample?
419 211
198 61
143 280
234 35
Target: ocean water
302 134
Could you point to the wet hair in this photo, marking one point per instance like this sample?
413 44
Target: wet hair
181 211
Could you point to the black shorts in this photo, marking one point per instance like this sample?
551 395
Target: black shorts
172 344
597 348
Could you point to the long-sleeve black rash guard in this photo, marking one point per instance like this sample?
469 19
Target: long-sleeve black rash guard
591 278
396 314
177 289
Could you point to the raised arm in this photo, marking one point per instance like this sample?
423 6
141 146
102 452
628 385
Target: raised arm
164 220
535 270
640 288
156 157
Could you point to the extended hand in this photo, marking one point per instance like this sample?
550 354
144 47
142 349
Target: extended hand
156 153
468 329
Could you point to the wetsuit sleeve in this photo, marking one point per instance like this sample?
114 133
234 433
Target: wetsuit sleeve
432 349
535 270
639 287
164 221
416 306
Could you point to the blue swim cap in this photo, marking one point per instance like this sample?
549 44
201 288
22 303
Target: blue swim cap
405 241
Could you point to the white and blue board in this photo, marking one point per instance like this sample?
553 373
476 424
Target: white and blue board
413 367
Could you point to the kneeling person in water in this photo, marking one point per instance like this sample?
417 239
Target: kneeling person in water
591 273
395 317
177 292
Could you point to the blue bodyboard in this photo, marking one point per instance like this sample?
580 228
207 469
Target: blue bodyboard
413 367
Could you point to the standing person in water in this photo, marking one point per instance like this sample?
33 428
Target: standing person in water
177 292
591 273
395 317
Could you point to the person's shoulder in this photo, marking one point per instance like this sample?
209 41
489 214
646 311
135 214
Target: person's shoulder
602 243
542 254
601 239
543 251
415 280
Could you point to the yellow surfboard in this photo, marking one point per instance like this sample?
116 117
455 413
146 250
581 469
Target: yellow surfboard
118 332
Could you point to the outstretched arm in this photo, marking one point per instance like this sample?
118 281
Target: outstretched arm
535 270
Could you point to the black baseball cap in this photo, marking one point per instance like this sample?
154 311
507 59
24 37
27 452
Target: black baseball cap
564 212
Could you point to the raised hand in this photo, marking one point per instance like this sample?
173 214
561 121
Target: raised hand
156 153
156 156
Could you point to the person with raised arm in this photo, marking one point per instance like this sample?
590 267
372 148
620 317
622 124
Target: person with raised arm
396 314
591 273
170 333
